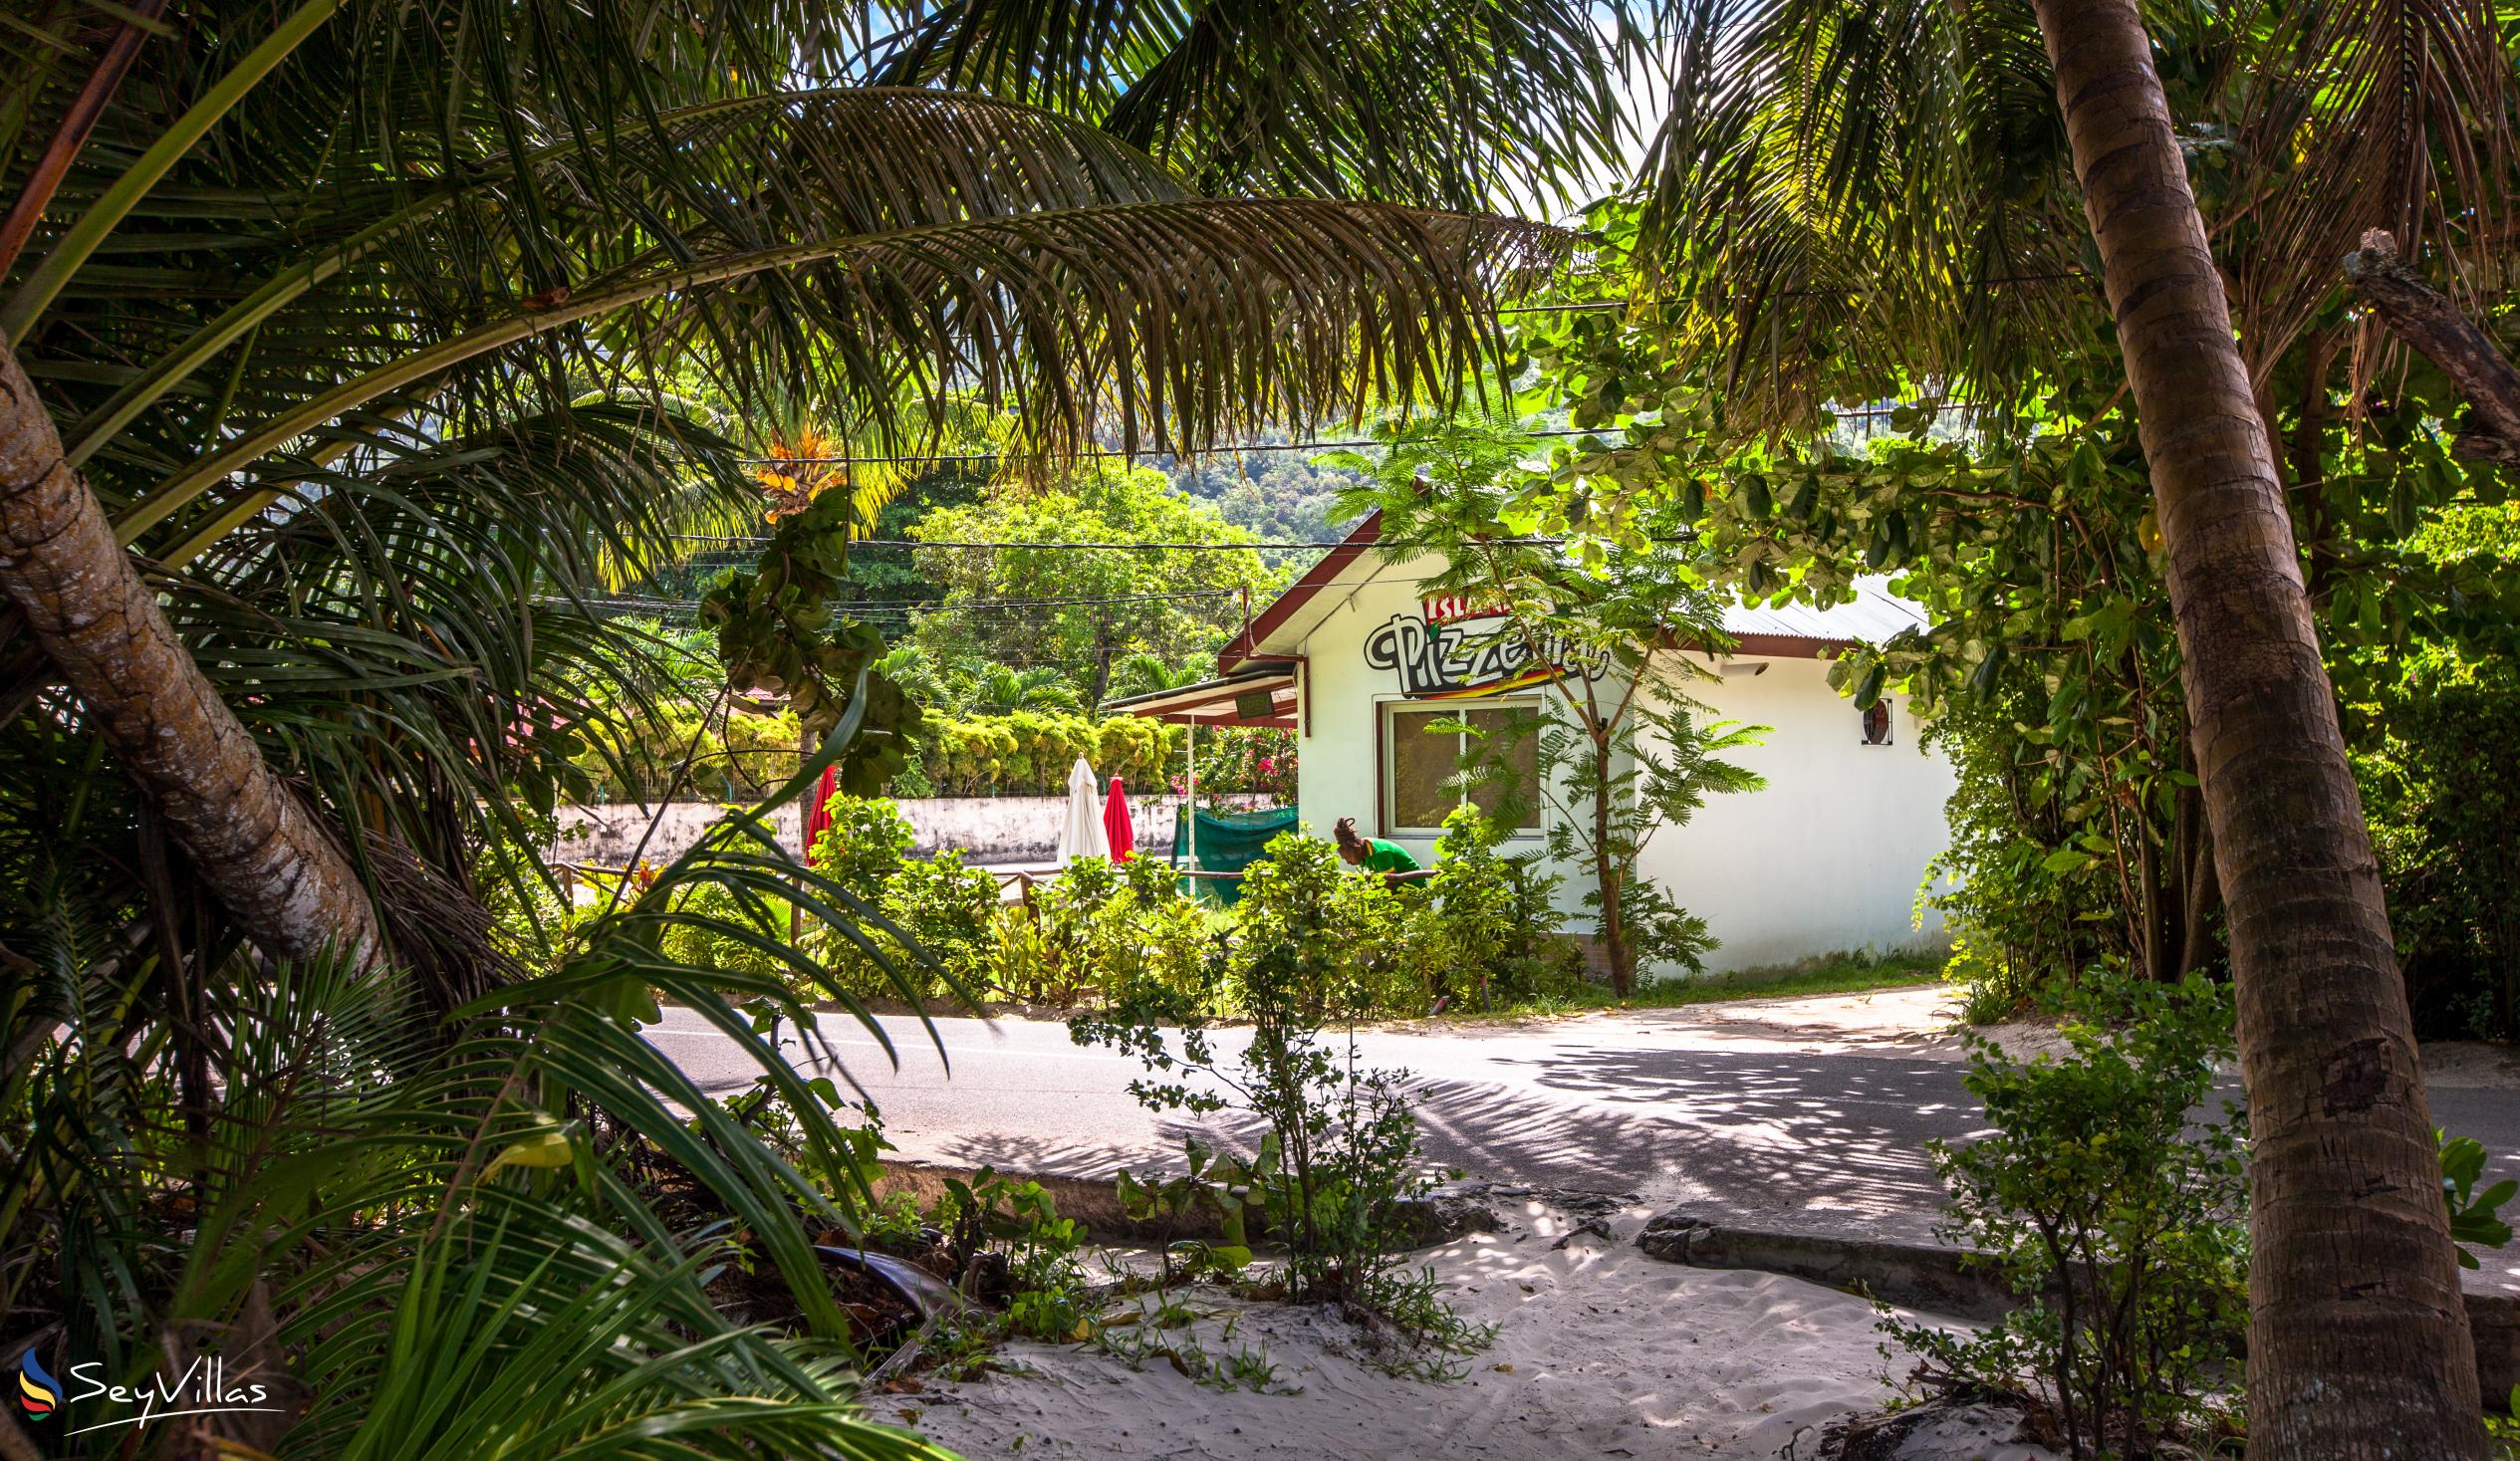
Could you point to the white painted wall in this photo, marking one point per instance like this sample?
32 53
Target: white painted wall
1826 858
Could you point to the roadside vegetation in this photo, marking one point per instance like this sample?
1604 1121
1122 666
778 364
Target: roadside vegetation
356 355
1481 937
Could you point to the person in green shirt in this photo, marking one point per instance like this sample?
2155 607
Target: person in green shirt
1375 855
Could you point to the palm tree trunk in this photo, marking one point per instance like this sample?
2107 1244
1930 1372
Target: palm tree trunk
2358 1341
255 844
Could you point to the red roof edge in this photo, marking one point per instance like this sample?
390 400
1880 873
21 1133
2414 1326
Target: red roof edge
1243 647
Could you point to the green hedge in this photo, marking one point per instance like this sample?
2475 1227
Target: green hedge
1028 753
1481 932
1025 754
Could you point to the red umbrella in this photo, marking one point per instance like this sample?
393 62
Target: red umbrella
818 816
1117 825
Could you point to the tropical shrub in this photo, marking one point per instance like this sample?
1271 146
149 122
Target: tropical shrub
2118 1225
1359 962
725 930
1487 930
865 846
1338 1154
1052 949
950 913
937 939
2020 891
2436 770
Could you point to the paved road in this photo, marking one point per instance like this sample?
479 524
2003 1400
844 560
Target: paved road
1810 1112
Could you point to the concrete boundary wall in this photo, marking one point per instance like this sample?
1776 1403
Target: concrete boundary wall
985 828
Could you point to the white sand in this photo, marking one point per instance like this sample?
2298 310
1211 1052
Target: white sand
1600 1352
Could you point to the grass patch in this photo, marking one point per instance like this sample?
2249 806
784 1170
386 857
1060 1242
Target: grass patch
1842 973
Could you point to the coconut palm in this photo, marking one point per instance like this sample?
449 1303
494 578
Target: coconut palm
998 689
344 352
1866 195
1143 673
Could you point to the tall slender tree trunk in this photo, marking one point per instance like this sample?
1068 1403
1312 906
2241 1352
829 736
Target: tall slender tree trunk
1606 877
2359 1344
252 841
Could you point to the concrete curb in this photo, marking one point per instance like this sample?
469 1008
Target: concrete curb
1914 1275
1931 1276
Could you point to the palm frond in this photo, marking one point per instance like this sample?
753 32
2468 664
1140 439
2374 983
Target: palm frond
1188 321
2396 115
1853 196
1454 104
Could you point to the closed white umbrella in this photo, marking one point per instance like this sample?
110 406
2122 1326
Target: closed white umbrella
1082 837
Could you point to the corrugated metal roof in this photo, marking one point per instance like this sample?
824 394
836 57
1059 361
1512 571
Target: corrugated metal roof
1875 614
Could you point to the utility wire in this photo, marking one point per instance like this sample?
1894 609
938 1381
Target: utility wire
1189 546
1201 546
900 607
1108 453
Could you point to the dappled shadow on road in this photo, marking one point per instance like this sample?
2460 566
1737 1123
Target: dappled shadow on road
1835 1142
1013 1152
1821 1141
1010 1151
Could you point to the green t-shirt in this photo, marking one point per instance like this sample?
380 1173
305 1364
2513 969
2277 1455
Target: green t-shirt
1383 856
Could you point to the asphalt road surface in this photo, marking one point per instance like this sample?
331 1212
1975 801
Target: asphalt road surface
1810 1113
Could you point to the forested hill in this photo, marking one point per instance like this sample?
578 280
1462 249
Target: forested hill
1279 494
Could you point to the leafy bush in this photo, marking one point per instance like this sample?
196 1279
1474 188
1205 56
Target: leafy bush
1102 926
2016 907
1482 928
747 942
865 846
949 910
1487 931
1050 949
2119 1226
1358 959
945 911
2446 822
1027 1252
1339 1151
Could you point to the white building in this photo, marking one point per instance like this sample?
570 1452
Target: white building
1828 857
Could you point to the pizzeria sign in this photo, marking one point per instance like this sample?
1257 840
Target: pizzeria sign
1453 649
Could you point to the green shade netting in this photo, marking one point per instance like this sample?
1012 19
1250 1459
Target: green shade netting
1228 842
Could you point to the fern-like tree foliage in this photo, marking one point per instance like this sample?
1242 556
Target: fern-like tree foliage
347 351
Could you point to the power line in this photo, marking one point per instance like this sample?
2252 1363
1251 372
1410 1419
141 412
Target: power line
1202 545
900 607
1106 453
1102 453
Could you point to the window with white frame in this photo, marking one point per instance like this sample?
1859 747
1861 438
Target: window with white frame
1876 722
1423 749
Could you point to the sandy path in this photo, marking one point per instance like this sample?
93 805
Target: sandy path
1600 1352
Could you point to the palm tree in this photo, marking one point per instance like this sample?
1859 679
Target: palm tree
1143 673
342 365
998 689
1815 141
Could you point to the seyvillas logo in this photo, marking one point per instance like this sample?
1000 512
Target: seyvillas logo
202 1388
38 1394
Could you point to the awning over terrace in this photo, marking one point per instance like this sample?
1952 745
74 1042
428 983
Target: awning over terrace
1261 693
